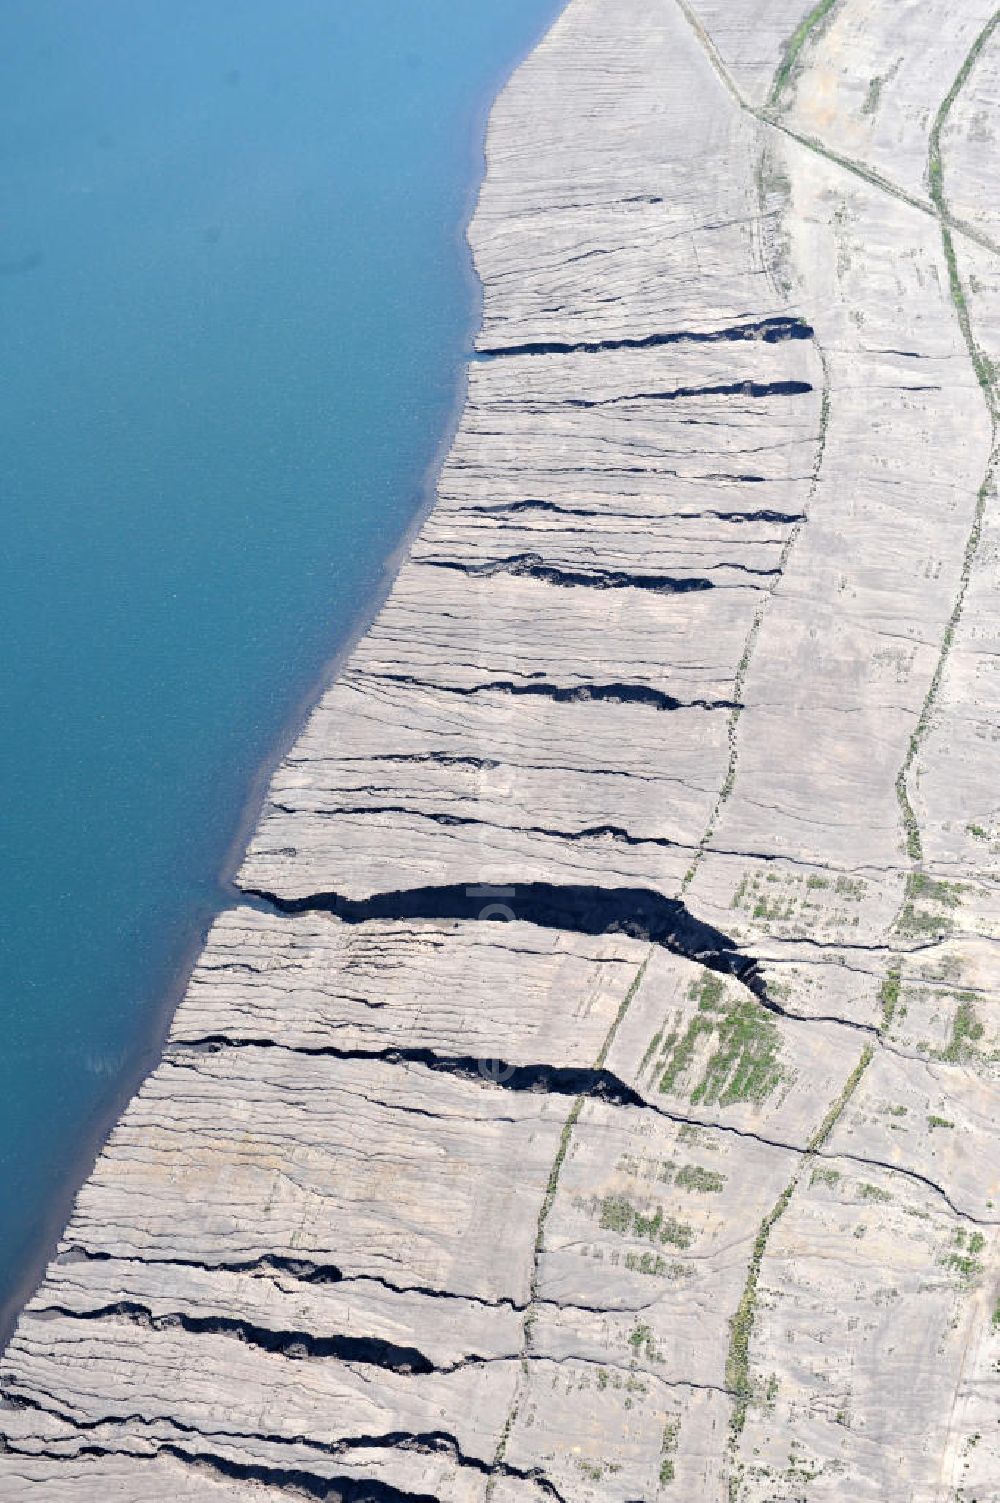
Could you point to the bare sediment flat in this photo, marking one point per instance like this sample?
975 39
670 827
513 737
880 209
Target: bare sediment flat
596 1095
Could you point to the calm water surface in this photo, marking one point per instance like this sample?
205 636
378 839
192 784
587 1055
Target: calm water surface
235 300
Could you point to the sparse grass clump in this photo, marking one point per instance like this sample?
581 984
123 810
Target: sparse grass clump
874 95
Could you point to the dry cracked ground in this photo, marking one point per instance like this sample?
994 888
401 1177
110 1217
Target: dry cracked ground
594 1096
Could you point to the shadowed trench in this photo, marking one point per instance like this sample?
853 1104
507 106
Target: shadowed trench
635 911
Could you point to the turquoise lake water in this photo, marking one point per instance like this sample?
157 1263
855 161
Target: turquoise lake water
235 303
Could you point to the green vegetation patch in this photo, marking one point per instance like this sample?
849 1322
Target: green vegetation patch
786 898
966 1032
927 905
644 1343
618 1214
743 1065
874 95
656 1267
706 1181
963 1258
651 1049
594 1471
668 1446
889 995
794 46
919 885
741 1324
